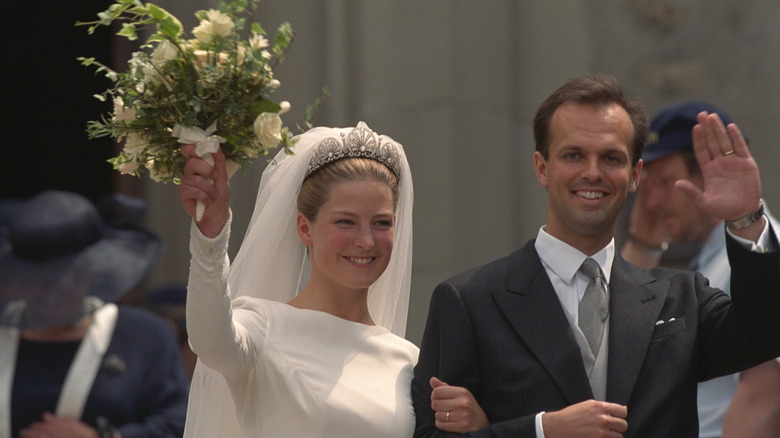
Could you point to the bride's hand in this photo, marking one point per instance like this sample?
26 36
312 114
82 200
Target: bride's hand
207 184
456 409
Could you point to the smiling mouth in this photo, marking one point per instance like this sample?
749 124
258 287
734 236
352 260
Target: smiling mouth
590 195
361 260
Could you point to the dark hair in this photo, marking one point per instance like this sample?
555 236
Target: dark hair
315 190
596 90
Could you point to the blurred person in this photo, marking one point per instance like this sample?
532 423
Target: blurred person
73 363
662 215
170 303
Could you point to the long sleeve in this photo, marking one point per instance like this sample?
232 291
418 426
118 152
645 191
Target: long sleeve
215 336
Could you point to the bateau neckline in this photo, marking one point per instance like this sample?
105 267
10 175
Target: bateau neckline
325 315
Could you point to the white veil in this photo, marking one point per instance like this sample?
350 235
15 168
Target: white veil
271 263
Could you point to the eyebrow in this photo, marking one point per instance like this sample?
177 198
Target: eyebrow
353 214
577 148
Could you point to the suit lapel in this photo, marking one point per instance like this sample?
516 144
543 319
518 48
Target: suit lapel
532 306
635 304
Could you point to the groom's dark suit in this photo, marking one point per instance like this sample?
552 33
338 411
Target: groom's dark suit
500 331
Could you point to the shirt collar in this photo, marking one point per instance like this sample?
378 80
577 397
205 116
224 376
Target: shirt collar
565 260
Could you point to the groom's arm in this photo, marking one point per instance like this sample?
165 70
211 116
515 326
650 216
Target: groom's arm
449 352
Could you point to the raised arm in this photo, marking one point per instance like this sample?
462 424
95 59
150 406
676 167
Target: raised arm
214 333
207 184
732 184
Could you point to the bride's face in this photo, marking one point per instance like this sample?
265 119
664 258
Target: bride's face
351 239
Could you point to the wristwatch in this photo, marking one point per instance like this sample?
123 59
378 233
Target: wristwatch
650 251
747 220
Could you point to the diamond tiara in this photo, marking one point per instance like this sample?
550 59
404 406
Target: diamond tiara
361 142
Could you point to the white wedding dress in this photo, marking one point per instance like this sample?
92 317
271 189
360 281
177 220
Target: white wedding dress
269 370
294 372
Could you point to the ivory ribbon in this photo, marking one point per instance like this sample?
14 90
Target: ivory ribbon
206 143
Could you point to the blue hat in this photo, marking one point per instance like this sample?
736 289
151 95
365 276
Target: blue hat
670 130
57 251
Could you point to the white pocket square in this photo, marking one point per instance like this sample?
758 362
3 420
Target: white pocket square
661 321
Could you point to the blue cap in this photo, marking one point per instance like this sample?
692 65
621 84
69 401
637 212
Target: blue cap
670 130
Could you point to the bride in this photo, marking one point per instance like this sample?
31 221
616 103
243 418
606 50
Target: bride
284 356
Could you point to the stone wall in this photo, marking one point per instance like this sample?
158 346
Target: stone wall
457 83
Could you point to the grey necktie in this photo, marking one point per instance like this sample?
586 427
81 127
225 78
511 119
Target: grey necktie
594 306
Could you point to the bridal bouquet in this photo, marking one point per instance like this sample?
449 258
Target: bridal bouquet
212 89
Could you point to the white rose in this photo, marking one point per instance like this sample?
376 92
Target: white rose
268 129
204 32
257 42
221 24
135 144
164 52
122 113
128 168
216 24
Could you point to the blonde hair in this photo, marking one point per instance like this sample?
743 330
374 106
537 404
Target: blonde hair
315 190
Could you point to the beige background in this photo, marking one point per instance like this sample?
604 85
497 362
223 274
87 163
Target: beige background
458 82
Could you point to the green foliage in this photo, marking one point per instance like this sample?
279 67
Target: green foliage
215 76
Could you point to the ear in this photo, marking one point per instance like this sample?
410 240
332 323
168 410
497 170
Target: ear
540 167
304 229
636 174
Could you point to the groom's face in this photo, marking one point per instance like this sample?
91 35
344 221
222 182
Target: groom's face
588 172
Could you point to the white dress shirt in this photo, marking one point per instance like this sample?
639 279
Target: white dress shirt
562 262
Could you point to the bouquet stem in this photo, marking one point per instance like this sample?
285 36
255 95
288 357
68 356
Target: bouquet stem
200 207
206 143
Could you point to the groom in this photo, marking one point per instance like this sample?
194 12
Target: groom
544 359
